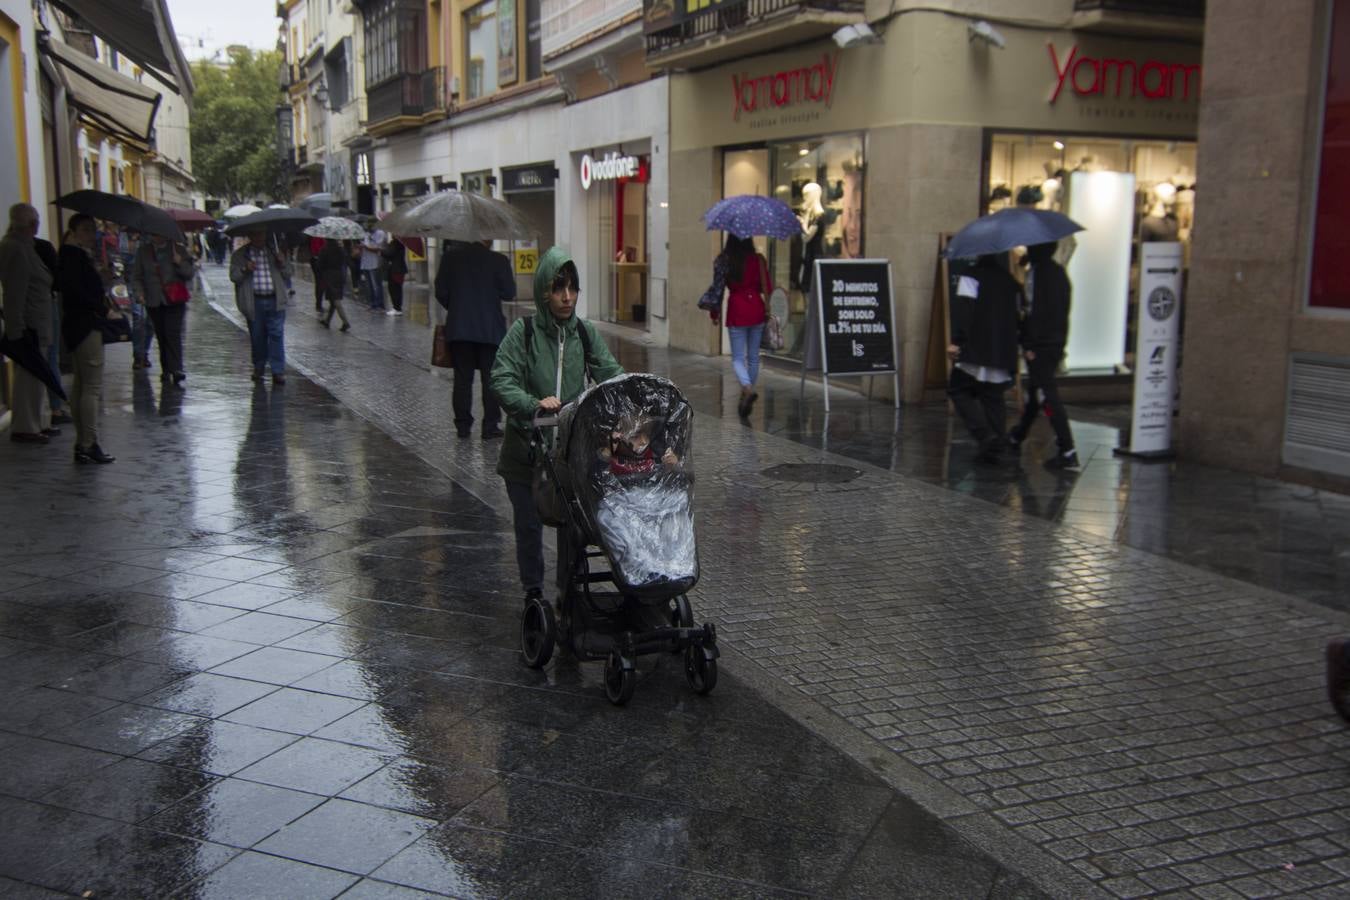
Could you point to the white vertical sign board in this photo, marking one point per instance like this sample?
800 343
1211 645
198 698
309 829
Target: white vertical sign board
1103 203
1155 359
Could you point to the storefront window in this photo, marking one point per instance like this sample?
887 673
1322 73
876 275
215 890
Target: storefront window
822 180
480 40
1123 192
477 183
1329 287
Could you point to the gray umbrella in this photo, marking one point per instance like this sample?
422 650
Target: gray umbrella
460 216
1009 228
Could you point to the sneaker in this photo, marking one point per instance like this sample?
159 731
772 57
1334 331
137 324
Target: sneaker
61 418
1066 461
51 432
179 377
346 326
392 312
323 322
493 432
28 437
1338 676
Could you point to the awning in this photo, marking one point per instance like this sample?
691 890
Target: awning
140 30
108 100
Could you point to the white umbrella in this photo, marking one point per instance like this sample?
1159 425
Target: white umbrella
278 206
239 211
460 216
337 229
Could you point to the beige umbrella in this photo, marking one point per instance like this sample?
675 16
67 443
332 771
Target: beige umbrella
460 216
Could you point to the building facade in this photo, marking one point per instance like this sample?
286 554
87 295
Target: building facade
1267 376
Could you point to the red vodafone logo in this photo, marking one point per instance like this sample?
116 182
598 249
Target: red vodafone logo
586 172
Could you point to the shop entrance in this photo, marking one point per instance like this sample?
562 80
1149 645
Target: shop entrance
822 180
618 258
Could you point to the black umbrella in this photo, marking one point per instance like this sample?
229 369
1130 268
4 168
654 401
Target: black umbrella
1009 228
274 218
26 353
126 211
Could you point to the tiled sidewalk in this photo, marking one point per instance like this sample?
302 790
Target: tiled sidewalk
1085 708
271 652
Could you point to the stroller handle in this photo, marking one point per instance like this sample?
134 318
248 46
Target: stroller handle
542 419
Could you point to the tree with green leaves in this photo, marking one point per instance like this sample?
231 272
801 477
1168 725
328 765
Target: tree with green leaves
234 125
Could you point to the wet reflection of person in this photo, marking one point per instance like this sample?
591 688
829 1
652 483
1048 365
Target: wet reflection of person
984 351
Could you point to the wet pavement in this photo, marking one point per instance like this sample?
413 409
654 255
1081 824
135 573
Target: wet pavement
272 650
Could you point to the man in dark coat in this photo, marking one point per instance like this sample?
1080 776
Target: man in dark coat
983 351
1045 330
472 283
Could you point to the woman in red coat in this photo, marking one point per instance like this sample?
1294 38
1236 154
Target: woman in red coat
746 274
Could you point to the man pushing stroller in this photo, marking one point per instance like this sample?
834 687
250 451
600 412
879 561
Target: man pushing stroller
541 365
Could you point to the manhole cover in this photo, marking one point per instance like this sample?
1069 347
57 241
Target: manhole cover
811 473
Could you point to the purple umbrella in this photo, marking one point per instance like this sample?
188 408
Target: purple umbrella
750 215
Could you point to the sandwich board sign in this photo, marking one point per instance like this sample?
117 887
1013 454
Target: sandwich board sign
853 333
1155 360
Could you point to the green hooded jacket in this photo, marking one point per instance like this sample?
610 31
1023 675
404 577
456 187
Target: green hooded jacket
522 376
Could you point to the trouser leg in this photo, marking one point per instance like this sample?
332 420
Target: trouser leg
395 295
257 333
171 346
964 391
28 392
88 392
492 410
276 341
465 358
156 314
529 535
1044 369
995 415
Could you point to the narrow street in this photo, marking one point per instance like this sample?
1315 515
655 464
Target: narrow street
272 652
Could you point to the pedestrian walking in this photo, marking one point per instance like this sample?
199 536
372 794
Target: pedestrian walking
316 245
983 350
260 274
84 300
331 275
27 287
396 271
745 274
542 364
372 249
160 274
472 283
1044 332
142 331
60 411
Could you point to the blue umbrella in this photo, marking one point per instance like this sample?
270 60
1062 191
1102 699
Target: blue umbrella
1009 228
749 215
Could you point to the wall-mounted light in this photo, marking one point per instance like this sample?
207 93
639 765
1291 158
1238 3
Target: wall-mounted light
983 31
1059 145
855 35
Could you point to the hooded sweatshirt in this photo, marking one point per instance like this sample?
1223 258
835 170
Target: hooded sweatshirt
552 365
1046 327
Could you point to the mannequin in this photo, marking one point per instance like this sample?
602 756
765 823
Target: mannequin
812 219
1160 224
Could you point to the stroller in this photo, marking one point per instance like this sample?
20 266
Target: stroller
617 485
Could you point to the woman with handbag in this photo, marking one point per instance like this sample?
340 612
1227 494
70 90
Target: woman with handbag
86 310
748 287
159 276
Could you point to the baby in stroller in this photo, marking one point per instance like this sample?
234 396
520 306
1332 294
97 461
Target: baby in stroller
617 477
643 513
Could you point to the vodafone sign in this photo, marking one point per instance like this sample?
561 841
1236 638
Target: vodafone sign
611 167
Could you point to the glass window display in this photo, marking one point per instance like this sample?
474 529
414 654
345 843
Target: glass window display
822 179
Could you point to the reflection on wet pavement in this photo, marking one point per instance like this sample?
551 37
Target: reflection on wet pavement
271 650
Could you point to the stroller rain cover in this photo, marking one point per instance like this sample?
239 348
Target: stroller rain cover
623 451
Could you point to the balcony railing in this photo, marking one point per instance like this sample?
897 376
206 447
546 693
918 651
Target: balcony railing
564 22
1179 8
412 94
727 16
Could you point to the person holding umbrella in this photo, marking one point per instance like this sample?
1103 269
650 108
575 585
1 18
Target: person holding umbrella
85 302
983 351
28 320
159 277
260 275
748 285
1045 330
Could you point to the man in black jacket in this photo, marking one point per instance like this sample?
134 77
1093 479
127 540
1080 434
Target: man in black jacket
983 351
1045 330
472 283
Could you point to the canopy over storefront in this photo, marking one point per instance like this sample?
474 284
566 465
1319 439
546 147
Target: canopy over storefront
142 31
108 100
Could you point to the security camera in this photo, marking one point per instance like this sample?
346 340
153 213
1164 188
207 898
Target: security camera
987 33
853 35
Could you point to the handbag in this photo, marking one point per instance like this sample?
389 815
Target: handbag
116 328
440 349
548 499
176 293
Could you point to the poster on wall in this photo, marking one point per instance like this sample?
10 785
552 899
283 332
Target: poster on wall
851 303
506 42
1155 367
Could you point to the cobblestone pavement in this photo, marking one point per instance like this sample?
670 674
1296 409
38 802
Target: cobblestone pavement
1098 714
271 652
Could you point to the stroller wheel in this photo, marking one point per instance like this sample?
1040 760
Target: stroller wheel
682 616
620 679
538 631
700 669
